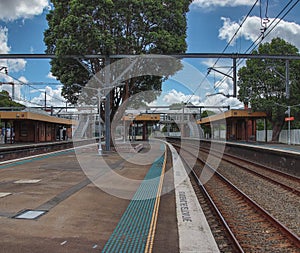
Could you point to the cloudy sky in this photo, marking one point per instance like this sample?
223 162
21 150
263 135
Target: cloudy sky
214 26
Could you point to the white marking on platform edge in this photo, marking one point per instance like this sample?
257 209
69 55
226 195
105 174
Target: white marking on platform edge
4 194
27 181
194 232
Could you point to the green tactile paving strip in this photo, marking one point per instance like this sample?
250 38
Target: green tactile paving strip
131 233
11 164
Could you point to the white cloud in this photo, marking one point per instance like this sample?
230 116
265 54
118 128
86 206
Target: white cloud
220 100
4 48
289 31
23 79
175 96
53 97
15 9
13 65
221 3
51 76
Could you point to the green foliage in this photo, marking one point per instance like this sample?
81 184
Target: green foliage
207 114
82 27
206 129
173 127
6 101
262 83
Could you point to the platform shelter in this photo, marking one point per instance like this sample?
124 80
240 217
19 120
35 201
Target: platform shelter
27 126
138 127
238 124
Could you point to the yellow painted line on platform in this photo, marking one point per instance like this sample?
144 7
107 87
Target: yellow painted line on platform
150 239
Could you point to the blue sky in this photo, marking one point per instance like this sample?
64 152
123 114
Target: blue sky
211 24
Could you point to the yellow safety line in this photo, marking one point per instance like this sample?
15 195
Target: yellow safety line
150 239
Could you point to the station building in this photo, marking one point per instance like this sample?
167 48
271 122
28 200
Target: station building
27 126
235 124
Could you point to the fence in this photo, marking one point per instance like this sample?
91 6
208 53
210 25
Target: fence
283 138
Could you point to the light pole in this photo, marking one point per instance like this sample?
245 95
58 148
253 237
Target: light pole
288 112
100 99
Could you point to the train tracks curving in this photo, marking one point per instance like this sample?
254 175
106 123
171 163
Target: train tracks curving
249 226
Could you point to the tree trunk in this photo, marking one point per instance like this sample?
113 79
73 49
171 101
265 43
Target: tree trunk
276 127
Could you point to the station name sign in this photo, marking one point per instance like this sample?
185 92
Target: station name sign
289 119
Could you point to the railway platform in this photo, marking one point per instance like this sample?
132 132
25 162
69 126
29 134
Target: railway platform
279 156
281 147
49 203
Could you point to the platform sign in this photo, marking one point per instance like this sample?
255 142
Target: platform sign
289 119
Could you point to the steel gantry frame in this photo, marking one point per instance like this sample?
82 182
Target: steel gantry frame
107 58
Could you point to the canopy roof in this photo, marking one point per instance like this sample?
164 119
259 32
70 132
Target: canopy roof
231 114
23 115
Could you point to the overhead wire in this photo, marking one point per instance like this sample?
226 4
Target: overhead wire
261 37
228 44
236 32
29 85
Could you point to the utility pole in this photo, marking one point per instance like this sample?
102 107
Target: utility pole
234 78
287 79
289 124
45 101
107 104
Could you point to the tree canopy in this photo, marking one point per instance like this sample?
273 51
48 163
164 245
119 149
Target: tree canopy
6 100
83 27
262 83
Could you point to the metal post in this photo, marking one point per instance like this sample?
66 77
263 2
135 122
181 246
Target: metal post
287 79
107 104
13 91
234 78
124 129
100 129
289 126
45 101
182 121
266 129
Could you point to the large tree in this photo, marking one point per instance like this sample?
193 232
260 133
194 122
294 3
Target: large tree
6 100
262 83
106 27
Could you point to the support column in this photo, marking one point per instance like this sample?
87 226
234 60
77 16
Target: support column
266 129
234 77
144 131
107 105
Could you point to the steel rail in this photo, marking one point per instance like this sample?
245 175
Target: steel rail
289 188
220 216
236 243
291 235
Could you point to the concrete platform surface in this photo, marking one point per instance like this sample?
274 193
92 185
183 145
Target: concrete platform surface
74 213
71 201
194 232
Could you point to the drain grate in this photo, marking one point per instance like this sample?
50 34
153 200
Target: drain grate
30 214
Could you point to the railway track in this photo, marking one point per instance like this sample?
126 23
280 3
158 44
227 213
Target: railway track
251 226
287 181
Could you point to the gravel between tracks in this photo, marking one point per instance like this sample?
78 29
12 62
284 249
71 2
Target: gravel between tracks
279 202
